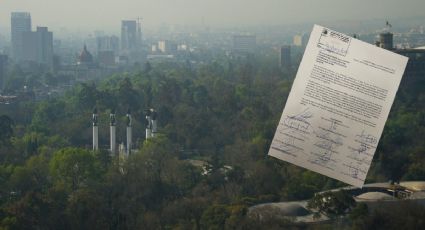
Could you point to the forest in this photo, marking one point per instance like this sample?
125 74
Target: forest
224 113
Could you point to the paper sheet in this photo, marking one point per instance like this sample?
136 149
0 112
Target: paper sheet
338 105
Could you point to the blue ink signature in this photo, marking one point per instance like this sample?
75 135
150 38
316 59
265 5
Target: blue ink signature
288 145
354 171
327 141
299 122
364 159
323 159
362 149
334 49
367 138
295 128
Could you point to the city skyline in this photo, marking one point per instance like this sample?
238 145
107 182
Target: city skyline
107 14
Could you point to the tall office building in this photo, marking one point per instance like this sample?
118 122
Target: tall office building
130 36
20 23
3 63
107 49
107 43
285 57
38 46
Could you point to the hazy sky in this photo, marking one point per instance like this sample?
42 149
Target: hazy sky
107 14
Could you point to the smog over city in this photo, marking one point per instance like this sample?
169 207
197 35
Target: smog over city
106 14
212 114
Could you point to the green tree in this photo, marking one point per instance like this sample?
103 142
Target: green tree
6 129
86 210
214 217
74 168
332 203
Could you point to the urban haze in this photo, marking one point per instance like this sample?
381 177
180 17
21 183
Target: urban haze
106 14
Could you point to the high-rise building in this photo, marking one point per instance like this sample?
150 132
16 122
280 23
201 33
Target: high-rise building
107 48
38 46
20 23
107 43
244 43
3 63
285 57
130 36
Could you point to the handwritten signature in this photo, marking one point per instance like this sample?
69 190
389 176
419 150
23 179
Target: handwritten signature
363 152
328 141
295 131
333 48
356 171
367 138
323 159
299 122
364 159
288 144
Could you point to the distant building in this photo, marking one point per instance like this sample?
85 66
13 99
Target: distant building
20 23
85 57
386 41
86 67
3 63
415 69
167 47
130 36
38 46
107 43
285 57
106 58
244 43
300 40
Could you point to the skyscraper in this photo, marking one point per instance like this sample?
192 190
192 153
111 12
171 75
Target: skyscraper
20 23
38 46
130 36
107 43
285 57
3 62
107 48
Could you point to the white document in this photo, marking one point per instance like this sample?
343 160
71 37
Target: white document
338 105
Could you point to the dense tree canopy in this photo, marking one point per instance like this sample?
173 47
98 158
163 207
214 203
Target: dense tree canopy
221 114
